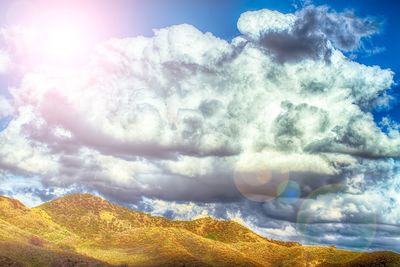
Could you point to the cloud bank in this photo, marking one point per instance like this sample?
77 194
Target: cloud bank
185 120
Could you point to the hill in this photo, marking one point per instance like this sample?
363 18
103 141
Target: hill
85 230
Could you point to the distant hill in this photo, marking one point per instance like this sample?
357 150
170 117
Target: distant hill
85 230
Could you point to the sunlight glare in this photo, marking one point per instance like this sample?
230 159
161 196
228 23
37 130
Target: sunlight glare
54 35
64 42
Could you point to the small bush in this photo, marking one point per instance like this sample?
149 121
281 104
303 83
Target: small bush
212 236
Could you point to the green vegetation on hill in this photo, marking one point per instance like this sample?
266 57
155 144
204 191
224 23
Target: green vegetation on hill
85 230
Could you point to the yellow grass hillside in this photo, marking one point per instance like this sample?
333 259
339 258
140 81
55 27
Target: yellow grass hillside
85 230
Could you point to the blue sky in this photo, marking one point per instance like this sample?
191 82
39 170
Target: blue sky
259 119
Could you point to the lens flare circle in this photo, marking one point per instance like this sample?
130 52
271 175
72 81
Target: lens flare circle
288 192
260 185
308 221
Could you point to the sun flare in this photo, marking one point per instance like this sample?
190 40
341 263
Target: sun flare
63 42
51 35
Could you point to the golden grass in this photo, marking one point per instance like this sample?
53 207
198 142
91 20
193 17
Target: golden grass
85 230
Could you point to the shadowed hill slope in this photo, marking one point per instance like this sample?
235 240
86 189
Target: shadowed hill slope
20 254
85 230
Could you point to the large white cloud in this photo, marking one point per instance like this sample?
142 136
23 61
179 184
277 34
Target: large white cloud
184 94
177 116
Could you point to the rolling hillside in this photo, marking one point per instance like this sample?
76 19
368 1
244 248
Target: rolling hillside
85 230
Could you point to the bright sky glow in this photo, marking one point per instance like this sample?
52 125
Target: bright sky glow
54 35
64 42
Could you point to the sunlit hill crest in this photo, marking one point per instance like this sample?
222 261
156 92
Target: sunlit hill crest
85 230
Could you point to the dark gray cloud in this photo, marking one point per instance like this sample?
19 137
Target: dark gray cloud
316 31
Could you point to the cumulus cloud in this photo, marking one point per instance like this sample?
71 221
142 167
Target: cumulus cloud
174 120
187 104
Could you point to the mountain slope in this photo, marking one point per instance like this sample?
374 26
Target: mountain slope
26 223
85 230
89 215
125 236
29 238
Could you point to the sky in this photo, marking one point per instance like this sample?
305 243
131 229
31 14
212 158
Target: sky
281 115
